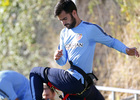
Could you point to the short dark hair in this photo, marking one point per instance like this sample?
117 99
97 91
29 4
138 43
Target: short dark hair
67 5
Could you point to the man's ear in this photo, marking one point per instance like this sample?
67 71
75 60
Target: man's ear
74 13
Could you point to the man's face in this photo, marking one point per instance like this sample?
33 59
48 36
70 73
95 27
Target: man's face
47 93
67 19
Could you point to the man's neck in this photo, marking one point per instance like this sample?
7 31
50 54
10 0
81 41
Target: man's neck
78 21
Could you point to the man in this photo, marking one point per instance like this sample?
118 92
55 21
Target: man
14 86
48 93
77 45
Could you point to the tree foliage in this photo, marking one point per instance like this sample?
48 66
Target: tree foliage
22 22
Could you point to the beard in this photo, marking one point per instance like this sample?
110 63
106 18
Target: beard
72 24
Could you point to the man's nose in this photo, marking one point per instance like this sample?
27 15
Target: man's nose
63 22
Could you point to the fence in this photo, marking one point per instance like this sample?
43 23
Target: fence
114 90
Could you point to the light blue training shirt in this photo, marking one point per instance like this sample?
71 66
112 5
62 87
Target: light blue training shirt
78 45
14 85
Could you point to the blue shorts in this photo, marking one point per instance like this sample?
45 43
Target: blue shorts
62 80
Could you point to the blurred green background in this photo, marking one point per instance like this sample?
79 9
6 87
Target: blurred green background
29 35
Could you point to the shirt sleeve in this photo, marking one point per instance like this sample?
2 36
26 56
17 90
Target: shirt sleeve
8 90
62 61
99 36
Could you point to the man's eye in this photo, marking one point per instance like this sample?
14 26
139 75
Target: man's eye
65 18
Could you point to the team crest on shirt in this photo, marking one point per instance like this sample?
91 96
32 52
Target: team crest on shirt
78 36
75 42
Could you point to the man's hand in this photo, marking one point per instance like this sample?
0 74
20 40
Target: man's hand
132 52
58 54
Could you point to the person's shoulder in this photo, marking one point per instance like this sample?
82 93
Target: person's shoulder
87 23
93 27
90 24
63 30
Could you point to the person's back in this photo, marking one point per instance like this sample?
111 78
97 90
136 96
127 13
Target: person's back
14 85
